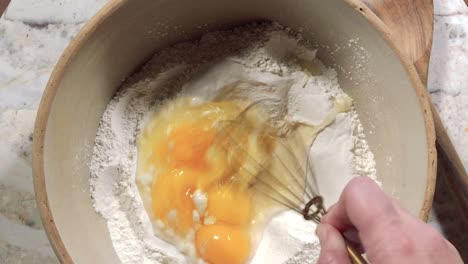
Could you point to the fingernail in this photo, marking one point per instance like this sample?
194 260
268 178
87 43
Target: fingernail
322 234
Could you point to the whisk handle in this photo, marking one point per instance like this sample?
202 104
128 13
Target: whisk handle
354 255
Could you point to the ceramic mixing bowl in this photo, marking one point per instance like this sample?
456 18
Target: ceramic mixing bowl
389 99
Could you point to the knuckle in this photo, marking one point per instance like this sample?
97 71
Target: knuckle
386 250
402 242
404 246
355 185
384 225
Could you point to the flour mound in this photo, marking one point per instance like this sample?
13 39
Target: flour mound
256 61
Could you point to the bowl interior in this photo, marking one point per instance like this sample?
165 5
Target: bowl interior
126 33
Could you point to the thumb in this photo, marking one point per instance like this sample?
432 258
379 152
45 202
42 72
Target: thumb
333 247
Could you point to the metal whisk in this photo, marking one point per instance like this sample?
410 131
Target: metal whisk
286 178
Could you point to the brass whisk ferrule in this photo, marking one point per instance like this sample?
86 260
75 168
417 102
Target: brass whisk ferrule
314 211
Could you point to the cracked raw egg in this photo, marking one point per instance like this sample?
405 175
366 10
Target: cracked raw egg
193 179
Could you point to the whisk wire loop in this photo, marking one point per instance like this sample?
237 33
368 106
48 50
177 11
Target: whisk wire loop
288 183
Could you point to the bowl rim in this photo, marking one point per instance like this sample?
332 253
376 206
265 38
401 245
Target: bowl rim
110 8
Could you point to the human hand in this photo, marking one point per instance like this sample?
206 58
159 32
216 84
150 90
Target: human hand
386 232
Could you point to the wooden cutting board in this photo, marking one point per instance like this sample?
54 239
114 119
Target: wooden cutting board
410 23
3 6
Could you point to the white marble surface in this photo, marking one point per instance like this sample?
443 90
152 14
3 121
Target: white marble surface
34 33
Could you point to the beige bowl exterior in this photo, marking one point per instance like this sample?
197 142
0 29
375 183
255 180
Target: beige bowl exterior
392 103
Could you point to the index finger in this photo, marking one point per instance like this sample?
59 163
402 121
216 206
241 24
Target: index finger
364 206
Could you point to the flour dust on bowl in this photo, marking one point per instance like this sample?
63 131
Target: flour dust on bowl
129 166
191 132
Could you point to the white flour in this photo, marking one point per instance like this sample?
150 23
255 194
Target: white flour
257 60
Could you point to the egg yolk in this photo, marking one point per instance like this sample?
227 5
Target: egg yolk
188 144
221 243
229 205
202 147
